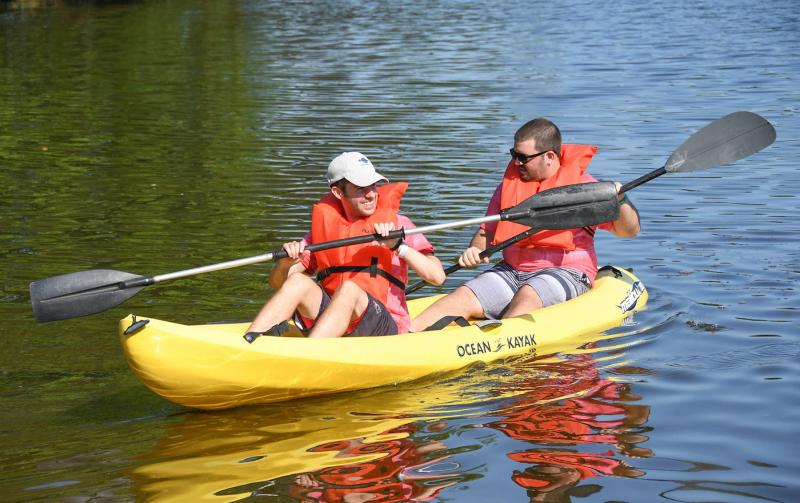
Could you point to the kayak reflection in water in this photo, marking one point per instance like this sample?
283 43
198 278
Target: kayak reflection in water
570 426
401 471
601 416
361 289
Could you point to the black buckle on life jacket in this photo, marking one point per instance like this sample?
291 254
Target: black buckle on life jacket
372 269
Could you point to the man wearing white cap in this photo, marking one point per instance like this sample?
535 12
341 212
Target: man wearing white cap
359 288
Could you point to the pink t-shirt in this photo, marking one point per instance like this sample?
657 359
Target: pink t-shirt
396 298
582 258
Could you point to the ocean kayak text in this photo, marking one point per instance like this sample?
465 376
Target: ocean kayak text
477 348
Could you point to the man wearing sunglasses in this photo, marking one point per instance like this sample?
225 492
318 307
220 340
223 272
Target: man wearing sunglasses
360 289
546 268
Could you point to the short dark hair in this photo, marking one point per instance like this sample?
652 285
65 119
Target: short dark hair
545 133
341 184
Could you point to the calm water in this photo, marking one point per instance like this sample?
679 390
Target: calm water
156 136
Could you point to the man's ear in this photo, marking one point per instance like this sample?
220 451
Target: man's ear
337 192
551 156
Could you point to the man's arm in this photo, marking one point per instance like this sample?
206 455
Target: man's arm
289 265
418 255
471 256
428 267
479 239
484 234
628 224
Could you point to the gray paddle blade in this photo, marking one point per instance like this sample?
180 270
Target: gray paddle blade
571 206
80 293
724 141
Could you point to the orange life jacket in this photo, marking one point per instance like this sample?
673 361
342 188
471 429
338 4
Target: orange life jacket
335 265
575 160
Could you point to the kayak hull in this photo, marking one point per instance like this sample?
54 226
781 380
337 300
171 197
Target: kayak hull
212 367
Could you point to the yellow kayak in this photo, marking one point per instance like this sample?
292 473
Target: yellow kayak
213 367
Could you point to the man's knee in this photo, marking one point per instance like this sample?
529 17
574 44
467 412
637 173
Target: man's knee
526 299
464 302
527 293
349 288
350 295
463 293
350 292
299 280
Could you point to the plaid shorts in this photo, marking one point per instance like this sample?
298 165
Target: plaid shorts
496 287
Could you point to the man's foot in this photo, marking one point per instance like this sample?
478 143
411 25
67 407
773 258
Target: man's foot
276 331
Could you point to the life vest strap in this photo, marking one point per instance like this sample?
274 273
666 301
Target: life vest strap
446 320
372 269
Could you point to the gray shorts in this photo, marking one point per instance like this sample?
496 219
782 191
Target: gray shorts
496 287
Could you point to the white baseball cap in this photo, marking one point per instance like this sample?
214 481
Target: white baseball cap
355 168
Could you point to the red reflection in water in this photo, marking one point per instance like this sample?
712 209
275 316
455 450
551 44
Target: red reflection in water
569 433
578 425
400 474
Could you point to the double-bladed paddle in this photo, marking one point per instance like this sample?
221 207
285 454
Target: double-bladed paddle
88 292
723 141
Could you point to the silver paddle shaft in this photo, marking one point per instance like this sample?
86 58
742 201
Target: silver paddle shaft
266 257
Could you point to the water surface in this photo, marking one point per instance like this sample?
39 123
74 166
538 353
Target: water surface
157 136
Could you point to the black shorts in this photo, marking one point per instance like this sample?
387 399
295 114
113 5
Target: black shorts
375 320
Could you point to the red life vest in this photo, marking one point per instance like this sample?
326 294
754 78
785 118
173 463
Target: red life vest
367 265
575 160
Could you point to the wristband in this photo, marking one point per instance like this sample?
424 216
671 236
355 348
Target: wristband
402 250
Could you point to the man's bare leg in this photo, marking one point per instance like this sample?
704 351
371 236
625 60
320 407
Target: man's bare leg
461 302
348 303
525 301
298 293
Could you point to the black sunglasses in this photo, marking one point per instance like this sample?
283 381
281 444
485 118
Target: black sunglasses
522 158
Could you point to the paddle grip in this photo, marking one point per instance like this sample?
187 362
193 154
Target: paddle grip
517 215
642 179
368 238
141 281
485 253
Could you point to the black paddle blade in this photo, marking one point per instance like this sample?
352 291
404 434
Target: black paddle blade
570 206
80 293
724 141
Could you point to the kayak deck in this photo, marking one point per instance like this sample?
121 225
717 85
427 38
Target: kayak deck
213 367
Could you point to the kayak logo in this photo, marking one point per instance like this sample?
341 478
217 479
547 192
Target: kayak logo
474 348
520 341
498 345
478 348
629 302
